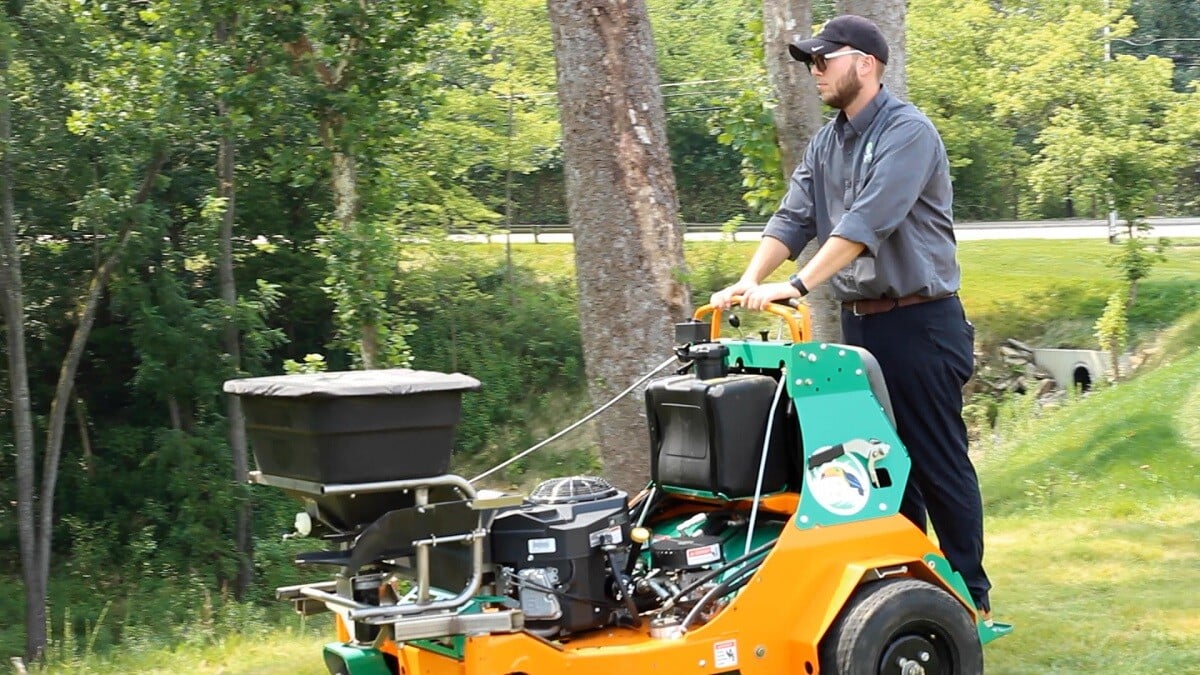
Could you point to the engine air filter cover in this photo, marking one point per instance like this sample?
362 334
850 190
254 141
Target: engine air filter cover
572 490
686 553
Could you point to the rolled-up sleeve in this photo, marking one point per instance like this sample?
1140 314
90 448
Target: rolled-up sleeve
891 184
794 223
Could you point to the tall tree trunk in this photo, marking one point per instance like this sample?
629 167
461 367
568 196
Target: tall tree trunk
798 112
623 208
345 212
343 168
889 15
12 301
797 119
227 287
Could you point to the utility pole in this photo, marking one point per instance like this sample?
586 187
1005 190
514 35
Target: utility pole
1112 211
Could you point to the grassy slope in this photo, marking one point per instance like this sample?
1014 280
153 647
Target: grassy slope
1092 532
1093 511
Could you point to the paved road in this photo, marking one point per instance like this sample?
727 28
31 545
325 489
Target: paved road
1071 229
967 231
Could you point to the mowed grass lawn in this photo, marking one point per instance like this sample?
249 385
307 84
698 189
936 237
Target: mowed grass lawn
1094 532
1093 529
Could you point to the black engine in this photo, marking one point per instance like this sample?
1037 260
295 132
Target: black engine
555 553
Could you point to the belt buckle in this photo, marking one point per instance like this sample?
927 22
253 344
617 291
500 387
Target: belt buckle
854 309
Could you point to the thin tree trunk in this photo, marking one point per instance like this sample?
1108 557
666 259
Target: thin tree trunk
227 287
344 166
173 413
797 119
345 212
66 381
13 304
85 435
623 209
890 16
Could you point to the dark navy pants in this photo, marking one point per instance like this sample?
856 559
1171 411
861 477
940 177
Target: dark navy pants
926 352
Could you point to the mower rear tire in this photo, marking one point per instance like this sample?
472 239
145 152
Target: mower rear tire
902 627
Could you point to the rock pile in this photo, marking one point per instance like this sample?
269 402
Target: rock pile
1014 372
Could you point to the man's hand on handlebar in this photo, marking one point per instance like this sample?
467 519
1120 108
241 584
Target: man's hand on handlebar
723 298
755 296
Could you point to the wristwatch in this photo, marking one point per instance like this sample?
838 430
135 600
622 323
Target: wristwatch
798 284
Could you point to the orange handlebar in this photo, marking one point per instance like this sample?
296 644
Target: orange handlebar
798 320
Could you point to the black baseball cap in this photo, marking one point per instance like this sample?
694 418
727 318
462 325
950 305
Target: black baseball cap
847 30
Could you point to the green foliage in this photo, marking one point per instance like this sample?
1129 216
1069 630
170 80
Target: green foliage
1178 341
1161 24
313 363
719 264
748 128
1033 291
1112 330
1103 444
1052 128
360 271
1134 260
949 78
512 329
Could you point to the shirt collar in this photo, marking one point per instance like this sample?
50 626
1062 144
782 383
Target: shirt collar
859 124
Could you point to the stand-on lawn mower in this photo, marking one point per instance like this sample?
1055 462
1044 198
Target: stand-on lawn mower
768 542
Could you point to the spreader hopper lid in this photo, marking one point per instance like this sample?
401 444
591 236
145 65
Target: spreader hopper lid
387 382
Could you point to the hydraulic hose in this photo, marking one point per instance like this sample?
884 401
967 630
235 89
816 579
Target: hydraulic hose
714 573
719 591
586 418
762 464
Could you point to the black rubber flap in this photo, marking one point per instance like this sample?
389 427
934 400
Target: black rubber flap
389 382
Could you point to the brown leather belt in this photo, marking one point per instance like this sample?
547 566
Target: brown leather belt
881 305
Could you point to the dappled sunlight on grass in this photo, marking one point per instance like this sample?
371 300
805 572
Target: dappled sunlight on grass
1095 597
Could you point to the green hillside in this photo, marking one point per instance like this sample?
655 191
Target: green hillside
1094 531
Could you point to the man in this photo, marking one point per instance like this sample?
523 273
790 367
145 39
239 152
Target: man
874 189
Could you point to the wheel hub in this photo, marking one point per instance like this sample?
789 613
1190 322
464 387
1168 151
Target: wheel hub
911 655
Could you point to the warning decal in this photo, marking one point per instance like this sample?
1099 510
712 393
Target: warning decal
725 654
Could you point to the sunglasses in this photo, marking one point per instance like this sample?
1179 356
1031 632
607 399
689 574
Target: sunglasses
820 62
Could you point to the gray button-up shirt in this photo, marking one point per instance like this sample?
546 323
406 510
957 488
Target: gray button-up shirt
882 180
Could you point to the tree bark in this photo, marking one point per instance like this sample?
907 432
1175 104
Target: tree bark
12 301
343 164
85 435
889 15
345 212
227 288
797 119
798 112
623 209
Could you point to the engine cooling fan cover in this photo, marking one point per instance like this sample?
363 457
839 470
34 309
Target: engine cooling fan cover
572 490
